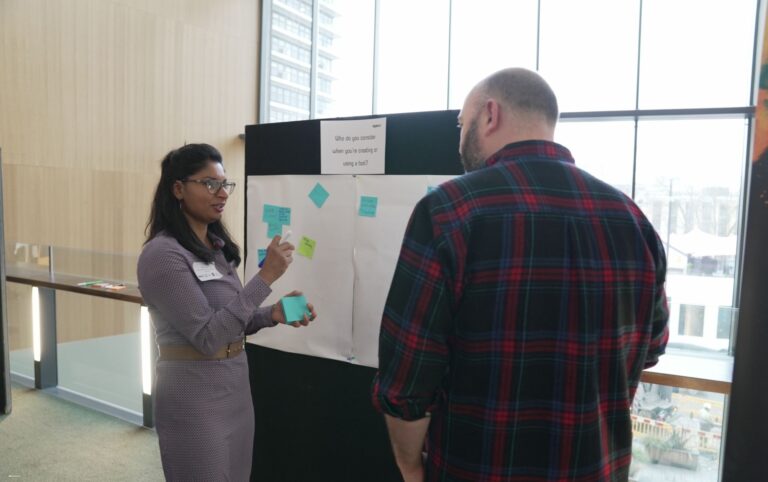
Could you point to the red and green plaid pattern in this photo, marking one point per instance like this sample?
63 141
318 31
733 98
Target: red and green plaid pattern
527 300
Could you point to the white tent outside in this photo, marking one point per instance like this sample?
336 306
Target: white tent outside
698 243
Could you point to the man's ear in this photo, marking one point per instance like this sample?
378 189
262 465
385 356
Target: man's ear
178 190
491 116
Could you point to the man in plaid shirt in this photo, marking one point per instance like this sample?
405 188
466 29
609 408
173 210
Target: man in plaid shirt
527 300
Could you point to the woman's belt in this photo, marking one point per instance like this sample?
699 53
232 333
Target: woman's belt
186 352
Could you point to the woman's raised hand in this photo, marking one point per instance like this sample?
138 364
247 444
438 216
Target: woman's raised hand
279 256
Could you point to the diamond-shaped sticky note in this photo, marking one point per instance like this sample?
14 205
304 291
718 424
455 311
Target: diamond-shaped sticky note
318 195
295 307
368 206
306 247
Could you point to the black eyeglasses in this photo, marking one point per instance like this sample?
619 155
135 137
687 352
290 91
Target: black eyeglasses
213 185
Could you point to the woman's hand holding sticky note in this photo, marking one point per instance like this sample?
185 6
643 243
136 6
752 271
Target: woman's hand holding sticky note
294 308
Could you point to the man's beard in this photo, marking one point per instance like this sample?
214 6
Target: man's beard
470 155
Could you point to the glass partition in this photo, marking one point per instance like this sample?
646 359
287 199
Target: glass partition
99 349
19 310
98 341
30 258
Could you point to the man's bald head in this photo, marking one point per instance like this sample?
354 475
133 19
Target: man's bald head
523 91
509 106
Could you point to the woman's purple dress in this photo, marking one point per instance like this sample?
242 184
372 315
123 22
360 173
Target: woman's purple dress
203 409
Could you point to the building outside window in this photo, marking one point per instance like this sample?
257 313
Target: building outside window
691 320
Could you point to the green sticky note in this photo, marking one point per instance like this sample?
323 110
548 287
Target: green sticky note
262 255
368 206
295 307
306 247
318 195
274 229
271 214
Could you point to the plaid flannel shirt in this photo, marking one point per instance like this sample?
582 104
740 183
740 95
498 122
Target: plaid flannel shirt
527 299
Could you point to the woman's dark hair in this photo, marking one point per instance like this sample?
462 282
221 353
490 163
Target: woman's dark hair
166 214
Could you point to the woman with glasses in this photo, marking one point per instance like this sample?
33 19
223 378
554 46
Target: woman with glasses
201 313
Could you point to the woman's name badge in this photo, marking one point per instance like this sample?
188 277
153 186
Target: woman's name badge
206 271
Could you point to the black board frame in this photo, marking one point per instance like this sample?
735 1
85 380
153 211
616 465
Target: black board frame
314 418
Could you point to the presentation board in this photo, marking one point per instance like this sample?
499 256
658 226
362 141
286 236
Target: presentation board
348 228
356 235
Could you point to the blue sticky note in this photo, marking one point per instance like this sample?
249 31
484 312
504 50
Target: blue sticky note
274 229
318 195
262 255
284 216
295 307
271 214
368 206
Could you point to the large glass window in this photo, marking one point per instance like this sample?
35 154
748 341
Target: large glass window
320 59
690 191
677 434
413 55
602 148
590 62
476 24
696 54
637 82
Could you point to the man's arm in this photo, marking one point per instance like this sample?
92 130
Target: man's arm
407 437
660 328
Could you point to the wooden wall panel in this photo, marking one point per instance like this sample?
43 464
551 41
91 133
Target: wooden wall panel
93 93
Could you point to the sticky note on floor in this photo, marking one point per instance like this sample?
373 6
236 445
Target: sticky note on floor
368 206
306 247
318 195
262 255
274 229
295 307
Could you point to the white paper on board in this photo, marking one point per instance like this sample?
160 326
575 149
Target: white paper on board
353 146
349 276
326 279
377 248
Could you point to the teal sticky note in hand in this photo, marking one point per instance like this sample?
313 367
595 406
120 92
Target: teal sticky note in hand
295 307
274 229
262 255
318 195
368 206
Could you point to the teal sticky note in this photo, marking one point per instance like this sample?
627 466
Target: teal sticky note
368 206
271 214
274 229
262 255
284 216
295 307
430 189
318 195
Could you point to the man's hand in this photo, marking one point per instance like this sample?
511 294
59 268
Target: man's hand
407 439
